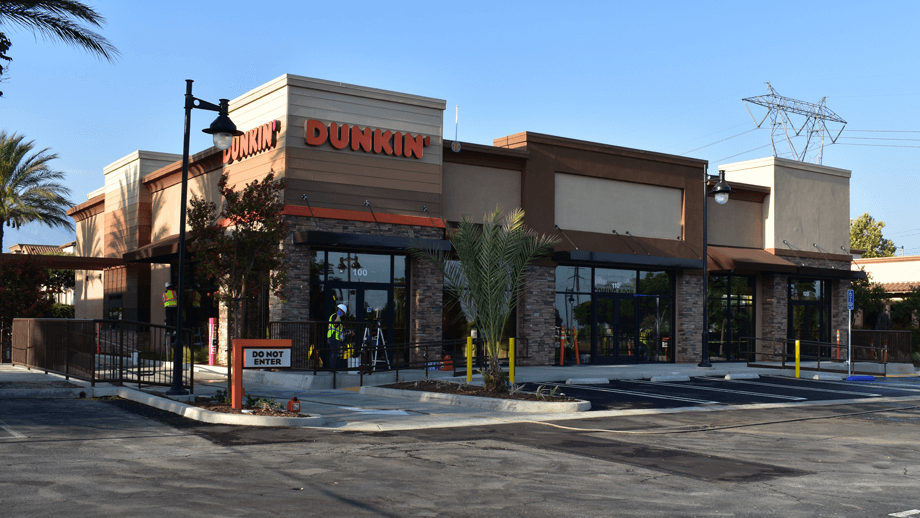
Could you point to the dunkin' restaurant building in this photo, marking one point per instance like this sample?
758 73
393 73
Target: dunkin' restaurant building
368 175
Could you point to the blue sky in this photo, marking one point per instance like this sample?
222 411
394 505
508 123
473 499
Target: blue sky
659 76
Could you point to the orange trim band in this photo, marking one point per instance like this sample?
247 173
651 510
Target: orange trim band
355 215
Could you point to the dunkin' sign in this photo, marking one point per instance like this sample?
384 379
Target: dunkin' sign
253 141
369 140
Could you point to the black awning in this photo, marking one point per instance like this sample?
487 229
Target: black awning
833 273
631 260
316 238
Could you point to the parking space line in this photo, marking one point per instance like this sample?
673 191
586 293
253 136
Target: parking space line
807 388
640 394
715 389
13 433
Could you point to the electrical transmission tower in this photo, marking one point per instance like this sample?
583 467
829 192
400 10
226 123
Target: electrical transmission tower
781 126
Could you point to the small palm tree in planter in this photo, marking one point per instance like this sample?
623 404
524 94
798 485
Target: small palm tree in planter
487 275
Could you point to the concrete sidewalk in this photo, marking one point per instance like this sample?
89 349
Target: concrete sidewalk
350 409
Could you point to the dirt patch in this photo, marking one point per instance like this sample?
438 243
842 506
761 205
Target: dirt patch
213 405
461 389
225 408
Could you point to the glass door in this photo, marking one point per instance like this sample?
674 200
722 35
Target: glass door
369 312
615 322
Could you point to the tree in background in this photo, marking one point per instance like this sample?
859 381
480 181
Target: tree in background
868 297
237 247
30 191
23 289
58 20
488 275
866 234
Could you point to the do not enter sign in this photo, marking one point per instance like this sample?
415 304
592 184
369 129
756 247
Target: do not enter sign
262 358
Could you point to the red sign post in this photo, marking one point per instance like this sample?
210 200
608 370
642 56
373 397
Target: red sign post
239 352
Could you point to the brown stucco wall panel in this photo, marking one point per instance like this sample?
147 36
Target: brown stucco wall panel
352 197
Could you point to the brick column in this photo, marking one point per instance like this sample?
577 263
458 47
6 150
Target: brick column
690 307
537 310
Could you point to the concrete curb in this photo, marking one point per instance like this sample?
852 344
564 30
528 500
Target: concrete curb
501 405
207 416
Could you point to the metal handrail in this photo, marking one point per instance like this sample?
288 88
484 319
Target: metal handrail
784 356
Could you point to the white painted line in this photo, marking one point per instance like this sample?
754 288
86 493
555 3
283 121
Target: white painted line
669 377
13 433
912 512
731 391
374 411
742 376
762 384
587 381
642 394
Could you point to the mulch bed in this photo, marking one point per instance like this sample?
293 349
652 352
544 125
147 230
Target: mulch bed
226 408
444 387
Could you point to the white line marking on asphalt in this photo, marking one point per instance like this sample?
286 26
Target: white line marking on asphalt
640 394
906 513
374 411
715 389
13 433
808 388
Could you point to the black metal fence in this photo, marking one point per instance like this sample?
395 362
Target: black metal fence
779 353
110 351
896 343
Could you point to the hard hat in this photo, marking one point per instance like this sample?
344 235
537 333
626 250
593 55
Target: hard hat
196 286
343 307
168 285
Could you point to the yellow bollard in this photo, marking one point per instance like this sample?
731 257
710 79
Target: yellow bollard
469 359
797 358
511 359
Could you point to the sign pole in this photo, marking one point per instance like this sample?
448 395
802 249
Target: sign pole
851 303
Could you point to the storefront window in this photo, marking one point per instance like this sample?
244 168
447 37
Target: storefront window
573 279
350 267
614 281
621 316
809 317
731 317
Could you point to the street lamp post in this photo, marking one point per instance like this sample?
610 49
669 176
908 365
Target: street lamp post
223 131
721 191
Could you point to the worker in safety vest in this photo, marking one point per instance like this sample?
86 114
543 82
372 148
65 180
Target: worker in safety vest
171 304
334 335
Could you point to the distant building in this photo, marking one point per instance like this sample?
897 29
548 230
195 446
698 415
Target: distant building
67 248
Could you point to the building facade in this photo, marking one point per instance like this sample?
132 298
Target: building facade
369 176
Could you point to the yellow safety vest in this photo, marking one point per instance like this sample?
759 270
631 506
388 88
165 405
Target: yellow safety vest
169 299
334 329
196 299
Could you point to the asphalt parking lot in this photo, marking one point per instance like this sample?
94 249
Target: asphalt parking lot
630 394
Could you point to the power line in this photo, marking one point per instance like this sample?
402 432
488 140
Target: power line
871 145
743 152
706 135
884 138
884 131
723 140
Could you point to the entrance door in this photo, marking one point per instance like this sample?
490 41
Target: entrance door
615 332
807 324
366 305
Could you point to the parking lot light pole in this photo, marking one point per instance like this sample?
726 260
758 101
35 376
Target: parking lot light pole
721 191
223 131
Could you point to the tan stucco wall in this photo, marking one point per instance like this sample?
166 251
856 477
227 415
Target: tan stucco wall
123 196
473 191
808 204
166 203
88 287
891 269
87 294
737 223
600 205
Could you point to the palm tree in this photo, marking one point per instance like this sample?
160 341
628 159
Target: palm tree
55 20
488 274
29 189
